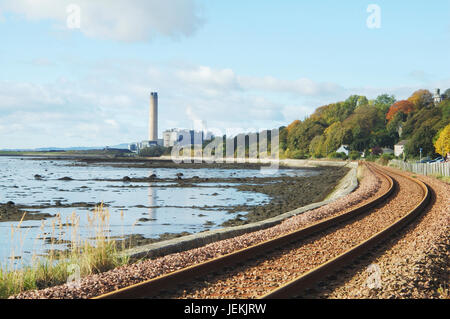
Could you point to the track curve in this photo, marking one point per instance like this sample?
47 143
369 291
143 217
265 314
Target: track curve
280 267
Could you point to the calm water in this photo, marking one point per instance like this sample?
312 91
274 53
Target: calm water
150 209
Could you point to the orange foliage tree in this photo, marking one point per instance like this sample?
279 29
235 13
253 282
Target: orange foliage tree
292 125
421 98
403 106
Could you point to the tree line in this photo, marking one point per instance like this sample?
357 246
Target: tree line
369 125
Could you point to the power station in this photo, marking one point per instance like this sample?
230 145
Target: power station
170 137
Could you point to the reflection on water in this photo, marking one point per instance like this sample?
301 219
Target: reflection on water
152 193
150 209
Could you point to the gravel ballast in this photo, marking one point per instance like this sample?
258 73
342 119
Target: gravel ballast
415 265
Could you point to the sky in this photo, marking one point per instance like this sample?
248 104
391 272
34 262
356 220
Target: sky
80 72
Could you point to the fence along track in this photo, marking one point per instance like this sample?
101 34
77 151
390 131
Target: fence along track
151 287
424 168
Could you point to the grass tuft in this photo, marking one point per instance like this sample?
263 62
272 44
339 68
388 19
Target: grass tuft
84 257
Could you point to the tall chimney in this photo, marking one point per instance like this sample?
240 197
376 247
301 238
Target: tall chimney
153 119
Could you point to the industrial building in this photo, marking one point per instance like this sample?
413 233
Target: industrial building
184 137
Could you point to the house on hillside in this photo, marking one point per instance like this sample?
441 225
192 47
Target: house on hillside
437 97
343 149
400 147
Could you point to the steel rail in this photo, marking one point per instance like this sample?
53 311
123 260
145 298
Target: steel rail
152 286
317 274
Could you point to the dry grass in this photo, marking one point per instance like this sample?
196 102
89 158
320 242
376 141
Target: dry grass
442 178
444 292
83 257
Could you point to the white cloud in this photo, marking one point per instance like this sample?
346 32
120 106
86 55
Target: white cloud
294 112
213 81
111 122
301 86
208 78
41 62
93 111
123 20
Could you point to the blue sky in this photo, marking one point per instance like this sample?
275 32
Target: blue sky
234 64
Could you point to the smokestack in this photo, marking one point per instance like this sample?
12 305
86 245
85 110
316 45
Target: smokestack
153 119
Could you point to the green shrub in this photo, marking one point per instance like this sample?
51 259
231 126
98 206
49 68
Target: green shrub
297 155
339 155
371 158
154 151
354 155
385 158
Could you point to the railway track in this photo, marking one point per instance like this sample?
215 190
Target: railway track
284 266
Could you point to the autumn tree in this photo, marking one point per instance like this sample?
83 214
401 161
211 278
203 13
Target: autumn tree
339 111
334 136
358 128
283 133
301 135
421 128
291 126
442 144
364 124
393 126
421 139
445 109
403 106
421 98
432 117
316 147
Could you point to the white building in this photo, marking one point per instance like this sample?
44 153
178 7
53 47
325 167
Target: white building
133 147
343 149
136 147
400 147
170 137
437 97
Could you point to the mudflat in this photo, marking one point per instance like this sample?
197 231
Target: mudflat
286 192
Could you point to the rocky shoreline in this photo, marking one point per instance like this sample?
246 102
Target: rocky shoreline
283 192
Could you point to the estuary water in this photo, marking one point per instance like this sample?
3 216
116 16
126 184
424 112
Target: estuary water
150 209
